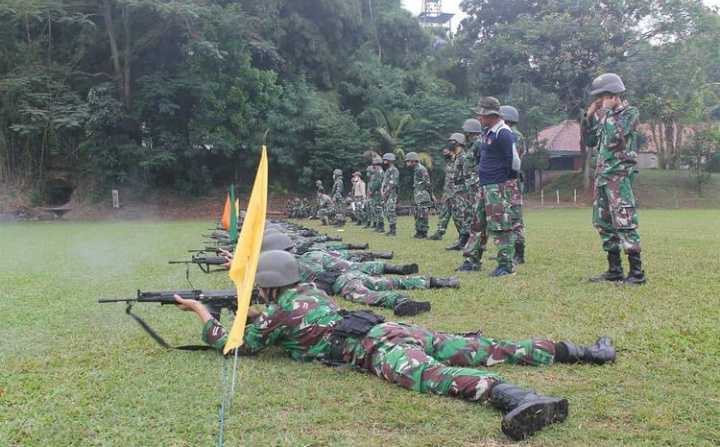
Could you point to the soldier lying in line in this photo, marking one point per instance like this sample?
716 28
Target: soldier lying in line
309 326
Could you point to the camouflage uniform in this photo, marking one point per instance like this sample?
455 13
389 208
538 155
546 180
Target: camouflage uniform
338 201
318 261
380 291
326 210
422 196
515 186
466 186
448 199
389 190
410 356
374 185
614 207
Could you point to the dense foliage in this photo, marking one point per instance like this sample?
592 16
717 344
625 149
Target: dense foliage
182 93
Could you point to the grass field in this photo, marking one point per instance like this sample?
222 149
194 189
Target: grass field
73 372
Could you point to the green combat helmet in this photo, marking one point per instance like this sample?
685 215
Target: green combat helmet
472 126
276 268
337 172
389 156
488 105
510 114
412 156
318 183
458 138
276 241
377 161
607 83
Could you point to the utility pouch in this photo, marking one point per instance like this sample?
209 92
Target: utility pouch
355 324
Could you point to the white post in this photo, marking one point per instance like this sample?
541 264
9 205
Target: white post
115 199
557 196
542 198
575 196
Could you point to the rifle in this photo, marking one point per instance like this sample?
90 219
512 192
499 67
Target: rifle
214 301
205 262
215 249
372 255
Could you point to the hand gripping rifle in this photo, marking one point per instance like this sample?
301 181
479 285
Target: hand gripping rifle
214 301
205 262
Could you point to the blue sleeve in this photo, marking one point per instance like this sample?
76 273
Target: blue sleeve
505 141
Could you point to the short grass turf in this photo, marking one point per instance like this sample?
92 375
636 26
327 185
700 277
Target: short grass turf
73 372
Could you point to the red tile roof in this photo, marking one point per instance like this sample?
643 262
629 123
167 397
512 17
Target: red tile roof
563 137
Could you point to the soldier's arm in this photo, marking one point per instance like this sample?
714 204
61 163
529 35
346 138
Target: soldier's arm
626 124
590 127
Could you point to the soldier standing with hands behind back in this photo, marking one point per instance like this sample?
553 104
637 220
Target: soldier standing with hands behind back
610 125
422 194
391 180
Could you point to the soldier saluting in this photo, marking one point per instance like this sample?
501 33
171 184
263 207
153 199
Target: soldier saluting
610 125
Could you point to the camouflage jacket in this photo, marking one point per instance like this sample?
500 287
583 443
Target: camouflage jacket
520 143
449 185
615 138
390 181
301 322
325 201
465 178
337 190
422 187
375 180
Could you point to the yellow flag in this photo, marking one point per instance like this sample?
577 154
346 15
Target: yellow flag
247 252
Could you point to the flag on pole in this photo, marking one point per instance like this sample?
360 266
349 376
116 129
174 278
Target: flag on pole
247 252
233 216
225 220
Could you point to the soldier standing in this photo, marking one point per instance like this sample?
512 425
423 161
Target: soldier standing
422 194
610 125
389 192
448 198
466 181
494 156
337 196
374 199
511 117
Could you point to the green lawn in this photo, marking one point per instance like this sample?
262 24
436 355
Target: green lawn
73 372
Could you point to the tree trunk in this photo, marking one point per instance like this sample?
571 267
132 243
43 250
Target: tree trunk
115 55
127 51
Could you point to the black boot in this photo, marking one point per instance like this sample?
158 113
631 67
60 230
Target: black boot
615 270
381 254
469 265
358 246
601 352
437 282
380 228
636 276
401 269
519 253
437 236
420 235
460 243
407 307
525 411
369 224
392 231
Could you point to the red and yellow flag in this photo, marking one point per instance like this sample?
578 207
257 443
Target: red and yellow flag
247 252
225 221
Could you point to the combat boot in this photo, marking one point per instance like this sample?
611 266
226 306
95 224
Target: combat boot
400 269
392 231
526 412
460 243
501 271
380 227
369 224
519 253
406 307
615 270
469 265
601 352
438 282
358 246
420 235
636 276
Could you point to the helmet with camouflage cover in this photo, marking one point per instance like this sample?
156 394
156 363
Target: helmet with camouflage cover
458 138
412 156
510 114
472 126
276 241
337 172
488 105
276 268
318 182
607 83
389 156
377 160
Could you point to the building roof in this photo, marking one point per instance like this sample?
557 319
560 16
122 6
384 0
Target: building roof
563 137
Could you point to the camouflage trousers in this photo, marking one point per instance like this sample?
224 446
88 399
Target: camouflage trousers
422 218
374 211
391 209
326 215
462 212
330 263
445 213
440 363
492 220
376 290
615 215
339 210
516 209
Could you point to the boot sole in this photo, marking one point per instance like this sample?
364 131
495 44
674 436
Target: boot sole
533 416
411 308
